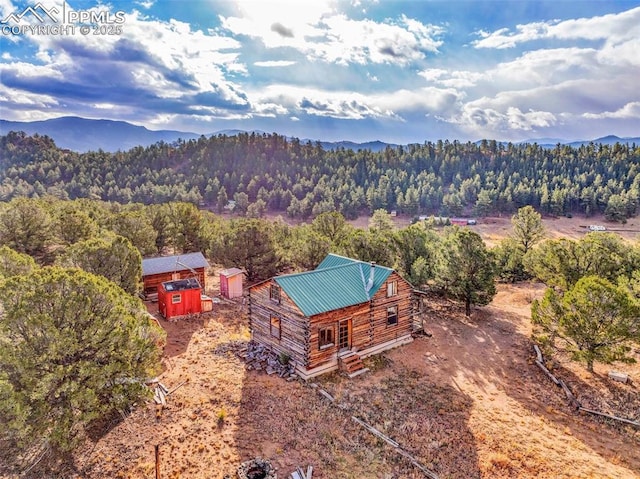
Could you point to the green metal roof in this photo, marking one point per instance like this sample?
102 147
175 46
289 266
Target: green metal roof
338 282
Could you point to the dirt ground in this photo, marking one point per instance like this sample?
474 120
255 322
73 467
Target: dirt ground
467 402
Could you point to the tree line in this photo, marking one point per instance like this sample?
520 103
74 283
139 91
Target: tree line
269 172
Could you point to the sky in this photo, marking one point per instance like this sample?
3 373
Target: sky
396 71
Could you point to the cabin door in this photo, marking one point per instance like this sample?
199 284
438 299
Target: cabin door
344 335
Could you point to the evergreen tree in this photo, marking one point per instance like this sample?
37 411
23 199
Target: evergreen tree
527 228
598 320
74 348
13 263
249 244
114 258
25 226
465 268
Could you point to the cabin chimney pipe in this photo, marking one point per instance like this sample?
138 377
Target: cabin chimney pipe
371 274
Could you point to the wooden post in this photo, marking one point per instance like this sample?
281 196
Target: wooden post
157 461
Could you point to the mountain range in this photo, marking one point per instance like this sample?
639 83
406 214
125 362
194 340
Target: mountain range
82 134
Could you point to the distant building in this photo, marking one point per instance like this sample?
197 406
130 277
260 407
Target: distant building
170 268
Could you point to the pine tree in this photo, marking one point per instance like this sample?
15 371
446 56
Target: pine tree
465 269
74 348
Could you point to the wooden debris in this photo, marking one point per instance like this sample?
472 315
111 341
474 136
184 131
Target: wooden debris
160 392
616 418
538 353
572 399
396 446
548 373
326 394
299 473
160 396
177 387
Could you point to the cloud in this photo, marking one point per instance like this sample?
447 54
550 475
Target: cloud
281 30
146 4
322 34
274 63
613 28
391 106
507 122
153 66
629 111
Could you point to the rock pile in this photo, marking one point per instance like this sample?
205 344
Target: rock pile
261 358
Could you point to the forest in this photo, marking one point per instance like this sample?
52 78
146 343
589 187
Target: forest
269 172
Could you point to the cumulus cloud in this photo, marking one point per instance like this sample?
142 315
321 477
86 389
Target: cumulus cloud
614 28
325 35
153 66
513 119
629 111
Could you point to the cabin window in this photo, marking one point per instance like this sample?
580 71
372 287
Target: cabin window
176 298
392 315
392 288
326 337
274 293
275 326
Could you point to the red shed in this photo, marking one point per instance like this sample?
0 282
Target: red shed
179 298
231 283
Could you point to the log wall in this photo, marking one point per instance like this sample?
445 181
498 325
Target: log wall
358 315
294 326
379 330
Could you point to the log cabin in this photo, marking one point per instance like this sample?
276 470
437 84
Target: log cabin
332 317
170 268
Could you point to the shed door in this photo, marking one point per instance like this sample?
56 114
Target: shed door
344 334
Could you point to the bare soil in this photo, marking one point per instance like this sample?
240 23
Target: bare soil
494 228
467 402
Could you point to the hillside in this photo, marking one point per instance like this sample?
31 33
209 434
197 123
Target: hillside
82 134
276 174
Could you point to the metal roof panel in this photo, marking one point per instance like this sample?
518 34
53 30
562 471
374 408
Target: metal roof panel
167 264
332 287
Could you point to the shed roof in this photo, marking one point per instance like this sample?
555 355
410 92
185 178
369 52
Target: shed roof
230 272
168 264
338 282
181 284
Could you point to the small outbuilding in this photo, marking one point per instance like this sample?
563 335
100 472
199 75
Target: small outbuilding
231 283
179 298
170 268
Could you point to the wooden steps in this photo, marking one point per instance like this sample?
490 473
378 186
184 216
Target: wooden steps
351 363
